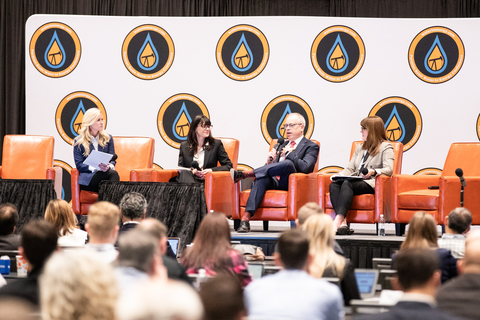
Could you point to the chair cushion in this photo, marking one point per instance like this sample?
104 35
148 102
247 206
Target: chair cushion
418 200
88 196
272 199
360 202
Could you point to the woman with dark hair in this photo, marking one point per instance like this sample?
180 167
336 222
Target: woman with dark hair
202 148
213 252
376 155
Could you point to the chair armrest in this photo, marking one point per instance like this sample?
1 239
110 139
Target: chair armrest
163 175
75 191
56 174
406 182
383 197
323 184
220 192
301 189
141 174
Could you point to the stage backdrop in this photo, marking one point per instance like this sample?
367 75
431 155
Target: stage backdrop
151 75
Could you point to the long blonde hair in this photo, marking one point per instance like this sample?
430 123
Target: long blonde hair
422 232
319 228
61 216
85 137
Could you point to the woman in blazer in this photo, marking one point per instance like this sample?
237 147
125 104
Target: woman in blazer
202 148
375 155
92 136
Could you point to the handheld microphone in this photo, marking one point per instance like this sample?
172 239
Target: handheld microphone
194 165
280 141
459 173
114 157
364 171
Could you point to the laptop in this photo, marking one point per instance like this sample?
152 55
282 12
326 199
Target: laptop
366 282
174 244
255 270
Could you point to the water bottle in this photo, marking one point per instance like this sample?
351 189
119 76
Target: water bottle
381 226
202 277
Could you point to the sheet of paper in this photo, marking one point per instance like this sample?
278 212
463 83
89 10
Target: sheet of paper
96 157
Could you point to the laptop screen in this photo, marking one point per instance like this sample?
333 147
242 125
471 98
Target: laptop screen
366 281
255 270
174 242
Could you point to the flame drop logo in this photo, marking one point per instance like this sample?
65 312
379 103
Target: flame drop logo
147 56
436 59
280 130
77 119
394 126
337 58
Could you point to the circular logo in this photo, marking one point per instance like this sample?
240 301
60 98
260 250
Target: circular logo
276 112
157 167
428 172
242 52
66 179
70 111
55 49
175 115
148 52
338 53
330 170
436 55
478 127
402 119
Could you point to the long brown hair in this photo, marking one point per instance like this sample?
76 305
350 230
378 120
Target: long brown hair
211 244
422 232
192 141
61 216
376 134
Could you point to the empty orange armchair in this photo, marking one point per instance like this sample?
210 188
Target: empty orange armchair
280 205
412 193
30 157
220 191
133 153
366 208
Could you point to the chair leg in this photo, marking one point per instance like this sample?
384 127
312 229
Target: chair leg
265 225
293 225
400 229
236 224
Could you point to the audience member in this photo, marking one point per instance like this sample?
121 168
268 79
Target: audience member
419 277
17 309
457 224
8 223
133 207
77 285
60 214
461 296
292 293
305 212
222 298
325 262
212 250
422 233
158 230
39 240
102 227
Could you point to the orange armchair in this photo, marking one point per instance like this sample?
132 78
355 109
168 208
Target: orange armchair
366 208
133 153
411 194
30 157
279 205
220 191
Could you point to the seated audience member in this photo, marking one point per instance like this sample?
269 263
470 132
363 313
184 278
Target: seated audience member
422 234
305 212
173 300
213 252
222 298
102 227
461 296
325 262
457 224
8 223
133 207
419 277
60 214
292 293
159 231
138 259
17 309
39 241
77 285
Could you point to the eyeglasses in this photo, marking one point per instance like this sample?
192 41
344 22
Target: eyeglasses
206 126
289 125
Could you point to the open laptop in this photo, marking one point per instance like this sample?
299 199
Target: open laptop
174 244
256 270
367 282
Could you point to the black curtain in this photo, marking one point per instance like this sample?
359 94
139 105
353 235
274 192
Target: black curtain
14 14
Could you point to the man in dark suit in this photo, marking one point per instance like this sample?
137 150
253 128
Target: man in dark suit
296 154
419 277
133 207
8 221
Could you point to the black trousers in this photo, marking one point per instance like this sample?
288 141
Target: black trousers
98 177
341 194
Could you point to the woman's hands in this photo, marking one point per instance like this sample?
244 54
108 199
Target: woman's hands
371 173
201 174
104 167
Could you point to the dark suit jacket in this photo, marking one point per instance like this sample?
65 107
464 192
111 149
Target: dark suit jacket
10 242
461 296
24 288
409 310
86 175
303 157
175 270
212 157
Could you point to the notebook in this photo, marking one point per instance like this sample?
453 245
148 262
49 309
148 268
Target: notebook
366 282
174 244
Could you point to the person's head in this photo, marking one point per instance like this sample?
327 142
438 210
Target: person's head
77 285
61 216
373 133
200 129
139 250
418 269
422 232
306 211
294 126
222 298
133 206
459 220
471 260
156 229
293 249
39 241
93 125
8 219
102 222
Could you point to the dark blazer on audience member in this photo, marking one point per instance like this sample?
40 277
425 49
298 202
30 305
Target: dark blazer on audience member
10 242
461 296
409 310
175 270
348 284
24 288
212 157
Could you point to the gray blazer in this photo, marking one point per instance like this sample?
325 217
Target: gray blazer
382 162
